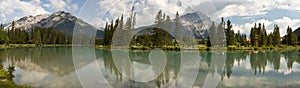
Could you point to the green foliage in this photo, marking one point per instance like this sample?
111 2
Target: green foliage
263 37
230 34
290 38
3 37
259 37
276 34
270 39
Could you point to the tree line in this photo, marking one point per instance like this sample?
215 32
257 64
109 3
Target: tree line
220 34
37 36
157 35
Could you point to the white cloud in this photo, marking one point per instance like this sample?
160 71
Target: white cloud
285 21
282 23
58 5
145 9
18 8
254 7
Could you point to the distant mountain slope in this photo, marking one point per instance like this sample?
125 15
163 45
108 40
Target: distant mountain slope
297 31
190 22
198 23
60 20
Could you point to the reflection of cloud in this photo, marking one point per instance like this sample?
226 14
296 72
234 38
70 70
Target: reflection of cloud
28 77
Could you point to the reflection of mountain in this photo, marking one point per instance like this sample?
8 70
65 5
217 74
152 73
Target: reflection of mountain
56 61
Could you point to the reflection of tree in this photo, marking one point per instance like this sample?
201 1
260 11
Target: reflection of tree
275 59
291 57
259 61
232 57
170 72
109 65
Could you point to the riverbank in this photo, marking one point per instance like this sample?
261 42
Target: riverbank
205 48
30 45
200 47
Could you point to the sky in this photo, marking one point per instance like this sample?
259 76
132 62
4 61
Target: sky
243 13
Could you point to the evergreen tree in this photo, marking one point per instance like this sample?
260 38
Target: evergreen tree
177 31
159 19
294 40
221 37
3 37
168 24
229 33
270 39
37 36
276 34
252 36
290 38
263 37
212 35
238 37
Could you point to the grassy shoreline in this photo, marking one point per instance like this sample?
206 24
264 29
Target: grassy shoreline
204 48
30 45
200 47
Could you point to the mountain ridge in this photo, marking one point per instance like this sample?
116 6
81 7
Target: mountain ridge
60 20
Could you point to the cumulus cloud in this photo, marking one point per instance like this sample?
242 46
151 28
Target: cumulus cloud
10 9
14 9
254 7
282 23
145 9
61 5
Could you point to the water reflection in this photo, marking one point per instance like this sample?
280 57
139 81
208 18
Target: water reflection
116 79
261 64
53 67
41 67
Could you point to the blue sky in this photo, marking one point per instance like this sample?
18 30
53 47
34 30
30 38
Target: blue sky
242 13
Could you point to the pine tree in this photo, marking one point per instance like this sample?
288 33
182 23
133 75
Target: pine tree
221 37
159 19
3 37
177 31
106 34
270 39
276 34
212 35
294 40
252 36
263 37
229 33
168 24
290 38
37 36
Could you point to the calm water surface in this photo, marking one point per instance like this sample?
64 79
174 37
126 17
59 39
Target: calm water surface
53 67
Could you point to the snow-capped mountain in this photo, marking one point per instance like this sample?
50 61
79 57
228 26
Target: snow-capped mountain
27 22
60 20
198 23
